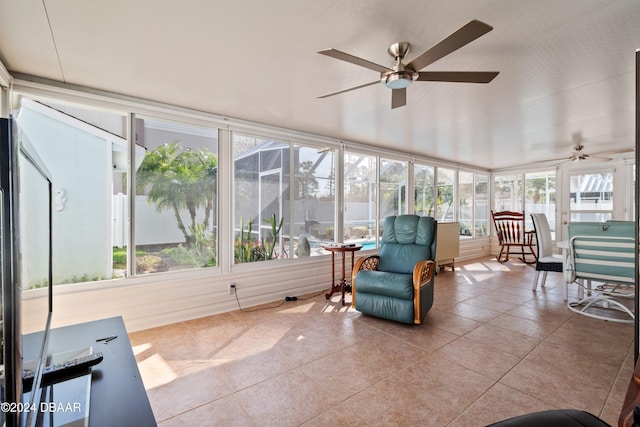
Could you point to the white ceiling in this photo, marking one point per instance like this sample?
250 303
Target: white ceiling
566 67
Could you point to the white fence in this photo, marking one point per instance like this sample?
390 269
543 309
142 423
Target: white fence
152 226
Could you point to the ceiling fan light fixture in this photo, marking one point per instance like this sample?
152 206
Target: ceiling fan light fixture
399 79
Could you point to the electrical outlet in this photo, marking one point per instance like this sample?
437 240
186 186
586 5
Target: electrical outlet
231 288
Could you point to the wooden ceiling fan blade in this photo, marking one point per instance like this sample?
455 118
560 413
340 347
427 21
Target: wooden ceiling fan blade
457 76
350 89
599 159
354 60
455 41
398 98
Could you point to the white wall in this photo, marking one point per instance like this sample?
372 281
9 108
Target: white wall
82 223
165 298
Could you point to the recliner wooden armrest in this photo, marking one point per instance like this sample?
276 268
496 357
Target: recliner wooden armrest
422 274
365 263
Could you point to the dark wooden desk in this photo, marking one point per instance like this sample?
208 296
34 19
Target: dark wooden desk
118 396
341 285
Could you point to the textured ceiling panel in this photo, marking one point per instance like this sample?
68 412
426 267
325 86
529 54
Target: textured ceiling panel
565 67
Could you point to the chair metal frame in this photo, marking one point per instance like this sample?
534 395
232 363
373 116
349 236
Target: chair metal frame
587 252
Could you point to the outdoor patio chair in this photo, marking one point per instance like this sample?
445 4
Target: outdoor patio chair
603 253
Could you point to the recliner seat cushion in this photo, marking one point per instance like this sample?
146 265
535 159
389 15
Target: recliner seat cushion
396 309
393 285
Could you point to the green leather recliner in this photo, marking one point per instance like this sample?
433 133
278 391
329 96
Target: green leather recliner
398 284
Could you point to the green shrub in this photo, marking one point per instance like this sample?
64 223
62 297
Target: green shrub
183 256
120 257
360 231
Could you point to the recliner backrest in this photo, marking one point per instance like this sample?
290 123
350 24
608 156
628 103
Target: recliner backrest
406 239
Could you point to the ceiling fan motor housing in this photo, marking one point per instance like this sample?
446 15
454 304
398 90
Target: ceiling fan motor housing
400 77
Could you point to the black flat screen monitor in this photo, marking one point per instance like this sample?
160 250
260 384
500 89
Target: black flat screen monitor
26 203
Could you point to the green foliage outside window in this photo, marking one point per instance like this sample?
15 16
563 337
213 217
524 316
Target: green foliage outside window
248 250
177 179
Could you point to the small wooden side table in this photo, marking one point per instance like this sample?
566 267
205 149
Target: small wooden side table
340 285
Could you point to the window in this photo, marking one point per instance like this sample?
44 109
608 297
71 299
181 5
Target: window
466 202
393 183
314 200
360 199
445 209
261 195
540 196
284 199
473 211
176 196
507 193
85 155
591 196
424 187
481 206
534 192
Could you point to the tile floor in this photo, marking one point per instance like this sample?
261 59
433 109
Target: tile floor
490 348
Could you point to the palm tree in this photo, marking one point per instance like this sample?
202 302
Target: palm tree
180 179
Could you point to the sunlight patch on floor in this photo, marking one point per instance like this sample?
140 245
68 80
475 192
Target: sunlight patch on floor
138 349
155 371
483 266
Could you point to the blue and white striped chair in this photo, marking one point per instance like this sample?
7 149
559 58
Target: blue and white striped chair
604 253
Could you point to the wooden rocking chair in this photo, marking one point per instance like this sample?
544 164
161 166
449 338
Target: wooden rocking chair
510 229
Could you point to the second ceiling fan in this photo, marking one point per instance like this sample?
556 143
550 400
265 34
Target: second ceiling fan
401 75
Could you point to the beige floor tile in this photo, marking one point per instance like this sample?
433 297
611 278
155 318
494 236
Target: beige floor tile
223 412
286 400
612 406
510 342
474 312
447 321
434 375
491 303
489 349
390 402
355 368
187 392
312 344
516 297
481 358
499 403
557 386
575 363
543 311
537 329
608 340
241 372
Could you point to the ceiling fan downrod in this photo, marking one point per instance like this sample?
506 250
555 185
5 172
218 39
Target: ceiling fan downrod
401 77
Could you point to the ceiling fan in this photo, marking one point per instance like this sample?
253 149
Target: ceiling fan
401 75
578 155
